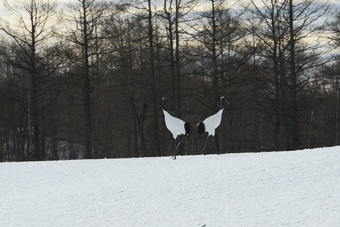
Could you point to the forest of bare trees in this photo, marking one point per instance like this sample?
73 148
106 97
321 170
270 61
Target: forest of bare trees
85 79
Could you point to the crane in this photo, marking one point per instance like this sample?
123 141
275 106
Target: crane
176 126
210 124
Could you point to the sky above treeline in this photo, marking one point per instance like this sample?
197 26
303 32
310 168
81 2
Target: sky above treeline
7 16
228 3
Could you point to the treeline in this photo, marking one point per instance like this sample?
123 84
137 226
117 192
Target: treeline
85 79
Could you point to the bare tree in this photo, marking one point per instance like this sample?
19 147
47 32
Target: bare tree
155 130
303 19
176 14
146 8
271 34
86 16
32 31
219 31
128 44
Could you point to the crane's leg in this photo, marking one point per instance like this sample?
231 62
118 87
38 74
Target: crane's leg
205 144
169 147
217 152
176 146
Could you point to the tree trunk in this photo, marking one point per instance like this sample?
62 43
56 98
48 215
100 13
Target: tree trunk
277 101
155 135
336 140
178 73
294 104
215 71
34 94
87 90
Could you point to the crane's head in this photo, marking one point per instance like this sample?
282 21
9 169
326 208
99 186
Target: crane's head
222 99
163 101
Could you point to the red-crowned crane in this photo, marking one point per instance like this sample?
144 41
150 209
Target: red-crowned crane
210 124
176 126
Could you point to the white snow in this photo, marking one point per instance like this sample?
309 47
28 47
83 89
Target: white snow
299 188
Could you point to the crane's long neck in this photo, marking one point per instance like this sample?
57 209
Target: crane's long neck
163 103
222 104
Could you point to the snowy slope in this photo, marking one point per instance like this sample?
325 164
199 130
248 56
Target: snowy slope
300 188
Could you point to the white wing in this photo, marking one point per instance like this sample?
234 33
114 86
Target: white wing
212 122
174 124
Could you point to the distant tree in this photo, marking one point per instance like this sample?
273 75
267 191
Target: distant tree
154 97
32 31
219 30
146 8
284 30
304 22
128 43
335 28
271 34
86 17
176 15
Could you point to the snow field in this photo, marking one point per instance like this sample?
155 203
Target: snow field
299 188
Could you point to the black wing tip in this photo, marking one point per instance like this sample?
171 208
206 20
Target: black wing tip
187 128
201 128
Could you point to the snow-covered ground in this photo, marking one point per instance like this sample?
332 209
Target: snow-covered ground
300 188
